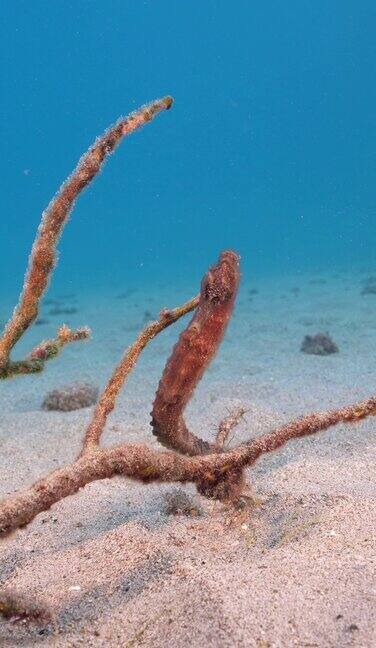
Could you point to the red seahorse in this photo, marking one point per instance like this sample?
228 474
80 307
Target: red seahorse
191 356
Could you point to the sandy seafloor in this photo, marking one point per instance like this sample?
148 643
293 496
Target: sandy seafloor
114 569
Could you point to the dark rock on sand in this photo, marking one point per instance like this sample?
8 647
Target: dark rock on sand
71 397
319 344
178 502
369 286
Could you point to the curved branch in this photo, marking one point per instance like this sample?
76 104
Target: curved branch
215 475
107 400
43 255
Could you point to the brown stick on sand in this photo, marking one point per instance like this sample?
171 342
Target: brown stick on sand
43 255
191 356
212 474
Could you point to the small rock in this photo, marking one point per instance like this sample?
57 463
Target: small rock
177 502
369 286
71 397
319 344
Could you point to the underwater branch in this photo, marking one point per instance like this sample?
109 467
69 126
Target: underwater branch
107 400
138 461
43 255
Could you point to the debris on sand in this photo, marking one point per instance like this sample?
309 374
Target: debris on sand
369 286
71 397
319 344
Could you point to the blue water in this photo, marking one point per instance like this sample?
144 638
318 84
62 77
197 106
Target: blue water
269 148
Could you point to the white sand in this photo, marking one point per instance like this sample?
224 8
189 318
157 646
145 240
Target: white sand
115 570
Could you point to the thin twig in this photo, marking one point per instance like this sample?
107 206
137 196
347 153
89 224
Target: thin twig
107 400
34 362
228 424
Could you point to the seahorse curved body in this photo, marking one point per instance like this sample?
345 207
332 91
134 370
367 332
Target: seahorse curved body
191 356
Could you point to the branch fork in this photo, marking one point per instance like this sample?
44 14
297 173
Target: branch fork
216 471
